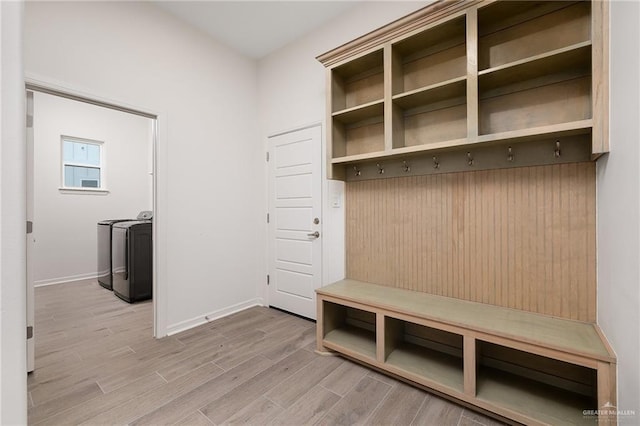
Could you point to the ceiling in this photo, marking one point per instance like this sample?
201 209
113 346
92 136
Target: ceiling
256 28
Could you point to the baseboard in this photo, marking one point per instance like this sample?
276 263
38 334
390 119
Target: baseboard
211 316
62 280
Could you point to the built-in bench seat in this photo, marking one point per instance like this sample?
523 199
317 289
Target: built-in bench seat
522 366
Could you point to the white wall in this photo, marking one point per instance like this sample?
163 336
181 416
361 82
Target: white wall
13 363
65 222
619 209
292 94
209 195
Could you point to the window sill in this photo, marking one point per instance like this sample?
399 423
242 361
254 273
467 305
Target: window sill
86 191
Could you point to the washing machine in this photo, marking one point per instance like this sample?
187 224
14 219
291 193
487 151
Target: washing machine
105 247
132 253
105 266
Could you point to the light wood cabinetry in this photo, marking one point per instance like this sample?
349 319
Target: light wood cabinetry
479 285
469 74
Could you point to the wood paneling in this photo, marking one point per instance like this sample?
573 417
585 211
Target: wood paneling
522 238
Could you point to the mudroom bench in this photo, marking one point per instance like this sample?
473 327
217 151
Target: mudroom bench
522 366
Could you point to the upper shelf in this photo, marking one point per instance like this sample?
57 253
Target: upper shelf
360 113
434 93
567 62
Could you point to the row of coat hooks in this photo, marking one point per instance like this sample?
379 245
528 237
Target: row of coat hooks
469 159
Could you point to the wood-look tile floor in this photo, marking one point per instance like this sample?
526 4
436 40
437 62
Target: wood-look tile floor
97 363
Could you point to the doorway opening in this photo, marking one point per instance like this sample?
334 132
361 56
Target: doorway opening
87 161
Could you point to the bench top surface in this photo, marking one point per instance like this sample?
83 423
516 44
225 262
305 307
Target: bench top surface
567 335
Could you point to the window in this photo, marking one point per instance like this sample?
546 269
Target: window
81 163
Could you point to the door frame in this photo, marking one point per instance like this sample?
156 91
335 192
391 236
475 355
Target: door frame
159 151
323 191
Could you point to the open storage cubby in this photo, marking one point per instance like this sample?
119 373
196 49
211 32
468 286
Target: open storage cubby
357 108
550 390
429 58
430 116
424 353
534 63
359 130
350 329
513 31
358 82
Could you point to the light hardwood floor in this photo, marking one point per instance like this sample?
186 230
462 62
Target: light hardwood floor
96 363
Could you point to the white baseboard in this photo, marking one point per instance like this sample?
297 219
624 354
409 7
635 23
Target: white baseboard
62 280
211 316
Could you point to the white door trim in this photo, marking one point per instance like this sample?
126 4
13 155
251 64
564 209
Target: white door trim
29 237
160 291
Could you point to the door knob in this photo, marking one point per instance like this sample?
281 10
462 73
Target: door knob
314 234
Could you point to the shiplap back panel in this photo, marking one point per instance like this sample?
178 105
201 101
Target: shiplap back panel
522 238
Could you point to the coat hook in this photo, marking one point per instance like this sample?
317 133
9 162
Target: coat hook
556 152
509 154
406 167
469 159
436 163
380 169
357 171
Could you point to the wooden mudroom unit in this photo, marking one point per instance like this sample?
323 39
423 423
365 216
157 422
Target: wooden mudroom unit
467 135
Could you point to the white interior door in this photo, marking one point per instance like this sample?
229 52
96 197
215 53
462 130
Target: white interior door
295 225
29 236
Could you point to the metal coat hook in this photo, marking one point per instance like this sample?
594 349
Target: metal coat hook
406 167
469 159
380 169
556 152
509 154
436 163
357 171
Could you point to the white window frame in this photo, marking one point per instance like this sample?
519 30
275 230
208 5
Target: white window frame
74 189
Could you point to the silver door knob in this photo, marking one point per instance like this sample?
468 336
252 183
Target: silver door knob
314 235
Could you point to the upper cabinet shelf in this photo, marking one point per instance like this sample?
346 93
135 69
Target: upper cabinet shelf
469 73
433 94
360 113
562 64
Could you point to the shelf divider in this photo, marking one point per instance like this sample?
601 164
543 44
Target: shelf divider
470 364
389 128
472 74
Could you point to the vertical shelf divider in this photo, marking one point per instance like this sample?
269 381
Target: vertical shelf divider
600 76
381 338
320 323
470 359
389 76
472 75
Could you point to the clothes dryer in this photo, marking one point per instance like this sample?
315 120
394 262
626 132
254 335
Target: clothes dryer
132 254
